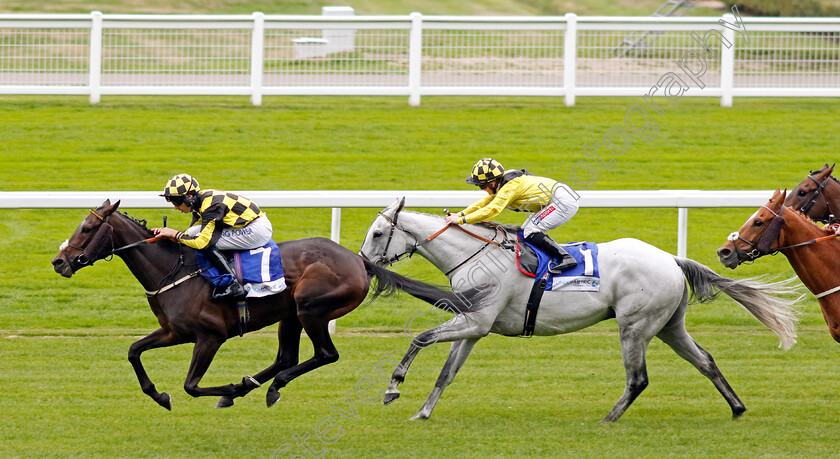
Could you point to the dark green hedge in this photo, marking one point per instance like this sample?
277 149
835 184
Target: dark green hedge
790 7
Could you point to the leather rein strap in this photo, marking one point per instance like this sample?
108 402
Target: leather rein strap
482 239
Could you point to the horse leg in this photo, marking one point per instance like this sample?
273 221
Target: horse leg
675 336
325 353
458 328
633 347
204 350
288 339
161 337
458 354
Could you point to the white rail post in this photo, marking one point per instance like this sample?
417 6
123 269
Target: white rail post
570 59
682 231
727 63
257 42
415 56
335 235
95 64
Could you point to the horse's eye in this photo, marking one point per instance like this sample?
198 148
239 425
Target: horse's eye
802 193
758 223
86 230
377 234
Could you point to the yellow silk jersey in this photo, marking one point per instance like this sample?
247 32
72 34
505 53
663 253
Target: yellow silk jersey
216 210
525 193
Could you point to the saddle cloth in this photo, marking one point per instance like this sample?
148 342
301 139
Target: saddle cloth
585 277
260 271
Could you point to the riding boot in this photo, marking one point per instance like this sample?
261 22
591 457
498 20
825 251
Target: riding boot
553 249
234 289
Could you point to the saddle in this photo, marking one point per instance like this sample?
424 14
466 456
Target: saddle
533 262
260 271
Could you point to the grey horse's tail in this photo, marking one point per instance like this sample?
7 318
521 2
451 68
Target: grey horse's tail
768 301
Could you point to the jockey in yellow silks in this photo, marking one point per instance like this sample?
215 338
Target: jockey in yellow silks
549 203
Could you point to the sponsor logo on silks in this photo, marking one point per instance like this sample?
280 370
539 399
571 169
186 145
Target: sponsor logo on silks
237 232
545 213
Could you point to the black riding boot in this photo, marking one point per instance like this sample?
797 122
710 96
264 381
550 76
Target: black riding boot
553 249
234 289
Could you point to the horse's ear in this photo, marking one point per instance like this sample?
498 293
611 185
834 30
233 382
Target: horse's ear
401 205
108 208
830 169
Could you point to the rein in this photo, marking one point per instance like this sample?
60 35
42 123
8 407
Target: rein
756 253
418 244
81 260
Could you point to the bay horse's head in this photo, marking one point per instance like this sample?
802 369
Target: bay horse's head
383 245
809 198
759 236
90 242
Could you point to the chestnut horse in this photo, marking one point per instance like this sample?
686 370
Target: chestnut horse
324 281
813 254
818 196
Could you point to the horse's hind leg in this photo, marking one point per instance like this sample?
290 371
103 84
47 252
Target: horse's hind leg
325 353
288 338
675 336
458 353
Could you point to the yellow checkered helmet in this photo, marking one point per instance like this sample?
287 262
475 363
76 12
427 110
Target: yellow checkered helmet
177 187
486 170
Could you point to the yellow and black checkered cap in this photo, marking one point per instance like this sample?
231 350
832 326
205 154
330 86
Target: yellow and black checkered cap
180 185
486 170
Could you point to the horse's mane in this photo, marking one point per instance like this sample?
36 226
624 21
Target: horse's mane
832 177
141 223
802 215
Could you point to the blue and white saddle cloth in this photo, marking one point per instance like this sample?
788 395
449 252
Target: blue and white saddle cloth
260 271
585 277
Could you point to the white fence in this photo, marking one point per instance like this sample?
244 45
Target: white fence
261 55
680 199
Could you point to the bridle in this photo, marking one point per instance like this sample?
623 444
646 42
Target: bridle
418 243
817 193
89 257
756 253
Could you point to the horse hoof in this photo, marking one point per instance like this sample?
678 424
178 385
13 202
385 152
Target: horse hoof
165 401
390 397
224 402
736 414
419 416
271 398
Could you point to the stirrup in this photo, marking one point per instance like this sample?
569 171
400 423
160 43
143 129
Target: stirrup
233 290
568 262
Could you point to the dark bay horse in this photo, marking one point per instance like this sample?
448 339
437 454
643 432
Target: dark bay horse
818 196
324 281
812 252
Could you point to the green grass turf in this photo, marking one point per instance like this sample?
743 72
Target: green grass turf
69 390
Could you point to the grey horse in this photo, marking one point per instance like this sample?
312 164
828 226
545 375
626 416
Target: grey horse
642 287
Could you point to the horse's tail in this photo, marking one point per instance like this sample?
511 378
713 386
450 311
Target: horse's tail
768 301
388 282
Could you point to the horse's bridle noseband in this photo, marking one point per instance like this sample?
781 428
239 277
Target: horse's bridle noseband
384 257
755 253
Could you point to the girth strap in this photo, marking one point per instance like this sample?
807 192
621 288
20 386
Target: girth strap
533 305
174 284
